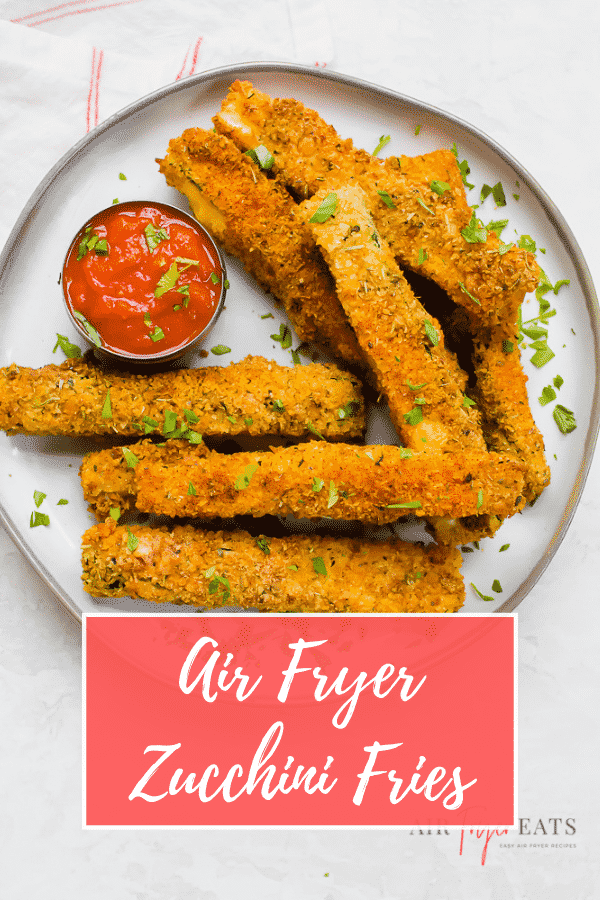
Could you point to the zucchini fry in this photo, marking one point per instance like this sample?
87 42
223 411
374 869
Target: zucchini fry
375 484
254 218
502 396
291 574
253 397
403 345
424 228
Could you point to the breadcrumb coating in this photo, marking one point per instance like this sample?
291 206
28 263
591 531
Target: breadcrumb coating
254 218
291 574
423 227
253 397
502 395
374 484
404 346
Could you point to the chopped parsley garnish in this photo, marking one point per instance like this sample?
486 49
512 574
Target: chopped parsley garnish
191 490
157 335
417 129
479 499
387 199
416 387
261 156
263 544
154 236
409 504
218 583
167 281
414 416
424 205
348 411
38 518
318 484
38 498
507 346
438 187
468 293
115 513
122 177
319 566
268 316
220 349
503 548
561 283
498 227
432 333
383 142
190 416
278 405
564 418
132 540
558 382
497 192
62 502
479 594
243 480
333 495
496 586
468 402
284 337
422 256
170 423
475 232
313 430
130 458
548 395
215 278
91 331
107 408
70 350
463 167
326 209
526 242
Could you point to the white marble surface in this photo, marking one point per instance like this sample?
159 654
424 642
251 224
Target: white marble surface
526 73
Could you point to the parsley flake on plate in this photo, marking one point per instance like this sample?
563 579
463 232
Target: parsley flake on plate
383 142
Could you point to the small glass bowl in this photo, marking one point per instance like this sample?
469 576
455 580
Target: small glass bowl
110 354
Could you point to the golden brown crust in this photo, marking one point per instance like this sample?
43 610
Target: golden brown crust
502 395
375 484
256 222
309 154
293 574
403 344
255 397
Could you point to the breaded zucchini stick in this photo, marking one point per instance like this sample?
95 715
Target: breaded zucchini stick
402 343
252 397
291 574
502 395
254 218
423 227
375 484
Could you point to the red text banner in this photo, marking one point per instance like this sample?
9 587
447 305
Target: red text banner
299 721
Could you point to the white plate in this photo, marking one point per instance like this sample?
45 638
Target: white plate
87 179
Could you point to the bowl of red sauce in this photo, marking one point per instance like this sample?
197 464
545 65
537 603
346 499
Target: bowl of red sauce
143 282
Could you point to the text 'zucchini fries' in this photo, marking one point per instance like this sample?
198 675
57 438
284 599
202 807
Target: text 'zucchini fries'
425 227
374 484
253 397
292 574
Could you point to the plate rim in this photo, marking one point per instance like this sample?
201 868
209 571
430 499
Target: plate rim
556 218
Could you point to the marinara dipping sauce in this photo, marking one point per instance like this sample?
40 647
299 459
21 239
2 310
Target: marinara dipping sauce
143 280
